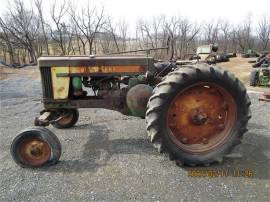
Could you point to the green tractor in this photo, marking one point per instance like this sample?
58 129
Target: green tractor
250 53
260 76
197 113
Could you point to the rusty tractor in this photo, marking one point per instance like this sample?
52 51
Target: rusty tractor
197 113
207 53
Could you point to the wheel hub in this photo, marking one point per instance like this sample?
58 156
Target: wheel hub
200 117
34 151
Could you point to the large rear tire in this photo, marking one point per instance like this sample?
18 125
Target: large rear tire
198 114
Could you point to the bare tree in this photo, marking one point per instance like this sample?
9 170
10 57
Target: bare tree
233 40
23 27
177 33
63 34
187 33
244 34
225 31
90 22
111 33
38 4
122 29
212 31
263 32
145 29
171 28
6 43
25 33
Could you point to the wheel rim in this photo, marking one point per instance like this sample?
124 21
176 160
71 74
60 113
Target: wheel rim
201 117
67 118
33 151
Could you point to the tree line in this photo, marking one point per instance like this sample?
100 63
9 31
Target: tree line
26 34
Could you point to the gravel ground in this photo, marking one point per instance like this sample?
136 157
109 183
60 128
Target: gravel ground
107 157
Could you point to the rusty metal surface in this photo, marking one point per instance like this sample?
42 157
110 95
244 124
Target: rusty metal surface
51 116
148 50
108 69
114 100
34 151
60 85
43 119
55 71
65 119
137 98
75 61
201 117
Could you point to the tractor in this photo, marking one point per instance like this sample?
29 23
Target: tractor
207 53
260 75
196 113
250 53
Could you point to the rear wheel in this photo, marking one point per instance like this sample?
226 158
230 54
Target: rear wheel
198 114
35 147
69 118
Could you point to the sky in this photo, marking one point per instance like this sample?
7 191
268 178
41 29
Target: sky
196 10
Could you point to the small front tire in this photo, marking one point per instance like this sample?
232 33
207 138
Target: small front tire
35 147
70 118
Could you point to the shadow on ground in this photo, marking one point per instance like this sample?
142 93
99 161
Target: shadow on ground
245 158
99 150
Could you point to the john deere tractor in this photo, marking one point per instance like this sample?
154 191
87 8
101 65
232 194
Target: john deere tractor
260 75
197 113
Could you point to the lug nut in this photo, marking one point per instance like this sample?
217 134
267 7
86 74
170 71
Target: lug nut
184 140
36 151
205 140
225 106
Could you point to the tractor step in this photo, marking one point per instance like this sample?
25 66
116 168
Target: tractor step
43 119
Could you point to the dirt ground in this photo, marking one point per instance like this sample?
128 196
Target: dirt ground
7 73
241 69
107 156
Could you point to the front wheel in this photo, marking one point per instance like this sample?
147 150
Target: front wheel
198 114
35 147
68 118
